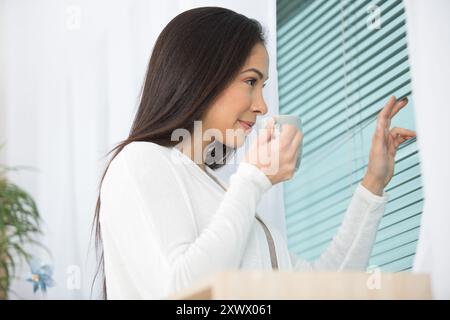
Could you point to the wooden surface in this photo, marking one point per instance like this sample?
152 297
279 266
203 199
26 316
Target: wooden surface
309 285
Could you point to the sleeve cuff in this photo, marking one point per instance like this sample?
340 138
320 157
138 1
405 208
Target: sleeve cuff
365 193
253 173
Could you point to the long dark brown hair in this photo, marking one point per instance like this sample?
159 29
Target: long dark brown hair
195 57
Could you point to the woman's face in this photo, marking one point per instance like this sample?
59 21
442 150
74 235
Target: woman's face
241 101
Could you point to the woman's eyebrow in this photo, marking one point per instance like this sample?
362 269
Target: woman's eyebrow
260 74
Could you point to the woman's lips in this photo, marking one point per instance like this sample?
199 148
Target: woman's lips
245 125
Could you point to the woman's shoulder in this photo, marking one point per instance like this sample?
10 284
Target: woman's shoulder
140 166
143 152
137 149
139 158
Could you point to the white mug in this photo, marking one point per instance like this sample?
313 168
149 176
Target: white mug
279 121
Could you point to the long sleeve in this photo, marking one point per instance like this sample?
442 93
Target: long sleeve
161 210
352 245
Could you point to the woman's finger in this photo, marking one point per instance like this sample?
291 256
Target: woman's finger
402 132
297 140
288 131
398 106
384 121
398 140
385 114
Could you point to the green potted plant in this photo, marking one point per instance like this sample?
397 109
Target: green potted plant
19 224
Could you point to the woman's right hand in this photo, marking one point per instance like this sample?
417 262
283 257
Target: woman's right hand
275 154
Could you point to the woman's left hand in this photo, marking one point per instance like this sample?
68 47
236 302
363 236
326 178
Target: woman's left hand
385 143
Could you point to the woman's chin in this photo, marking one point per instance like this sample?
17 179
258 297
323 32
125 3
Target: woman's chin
237 143
237 140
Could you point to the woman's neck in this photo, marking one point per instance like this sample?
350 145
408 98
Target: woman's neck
194 151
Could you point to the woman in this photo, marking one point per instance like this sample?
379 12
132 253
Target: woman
164 219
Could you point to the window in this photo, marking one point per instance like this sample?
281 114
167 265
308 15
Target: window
338 64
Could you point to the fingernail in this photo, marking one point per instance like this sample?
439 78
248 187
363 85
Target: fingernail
404 99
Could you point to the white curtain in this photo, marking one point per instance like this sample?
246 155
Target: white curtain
71 73
428 27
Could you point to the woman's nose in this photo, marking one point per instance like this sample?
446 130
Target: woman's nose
264 109
260 107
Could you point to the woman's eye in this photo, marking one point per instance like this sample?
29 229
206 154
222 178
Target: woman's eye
252 80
